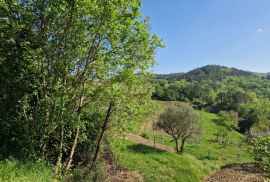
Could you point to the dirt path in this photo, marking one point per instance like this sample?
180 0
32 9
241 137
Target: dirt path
237 173
138 139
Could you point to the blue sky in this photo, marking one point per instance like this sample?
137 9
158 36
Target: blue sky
234 33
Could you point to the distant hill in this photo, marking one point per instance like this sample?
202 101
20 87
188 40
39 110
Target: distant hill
212 72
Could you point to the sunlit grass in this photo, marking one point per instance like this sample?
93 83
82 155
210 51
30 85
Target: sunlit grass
12 170
200 159
157 165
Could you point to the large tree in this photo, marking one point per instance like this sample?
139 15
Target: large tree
66 67
181 122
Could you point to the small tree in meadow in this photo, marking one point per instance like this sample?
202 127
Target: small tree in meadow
181 122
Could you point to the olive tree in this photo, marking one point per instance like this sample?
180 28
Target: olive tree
181 122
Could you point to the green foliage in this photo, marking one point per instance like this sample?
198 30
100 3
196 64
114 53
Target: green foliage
69 72
229 119
209 72
97 175
181 123
216 88
260 149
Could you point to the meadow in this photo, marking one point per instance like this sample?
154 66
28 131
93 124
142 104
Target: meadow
200 159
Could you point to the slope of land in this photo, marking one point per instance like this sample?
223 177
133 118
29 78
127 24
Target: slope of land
231 173
201 158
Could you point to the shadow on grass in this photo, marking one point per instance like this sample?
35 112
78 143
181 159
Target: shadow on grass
140 148
207 158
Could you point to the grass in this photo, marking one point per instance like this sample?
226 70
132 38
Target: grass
199 160
220 154
156 165
12 170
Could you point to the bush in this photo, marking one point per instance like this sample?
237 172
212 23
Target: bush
260 149
97 174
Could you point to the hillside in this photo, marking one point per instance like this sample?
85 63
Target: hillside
209 72
201 159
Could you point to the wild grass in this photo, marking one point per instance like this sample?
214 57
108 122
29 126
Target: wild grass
156 165
12 170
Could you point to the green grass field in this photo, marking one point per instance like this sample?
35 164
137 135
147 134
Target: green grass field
199 160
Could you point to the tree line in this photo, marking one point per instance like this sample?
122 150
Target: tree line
246 95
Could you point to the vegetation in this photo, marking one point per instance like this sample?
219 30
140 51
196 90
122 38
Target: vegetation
261 153
14 170
70 71
156 165
199 160
246 94
181 122
209 72
74 77
240 98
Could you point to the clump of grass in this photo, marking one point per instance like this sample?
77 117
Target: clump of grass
145 135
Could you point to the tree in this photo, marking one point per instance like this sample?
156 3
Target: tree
181 122
66 67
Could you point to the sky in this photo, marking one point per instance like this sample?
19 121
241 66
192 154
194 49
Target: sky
233 33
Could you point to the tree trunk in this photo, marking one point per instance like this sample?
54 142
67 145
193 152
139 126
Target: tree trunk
60 152
176 145
73 149
70 158
104 128
182 145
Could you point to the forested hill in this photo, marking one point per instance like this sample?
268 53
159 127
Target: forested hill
217 88
209 72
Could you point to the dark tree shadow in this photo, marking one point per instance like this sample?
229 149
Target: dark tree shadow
140 148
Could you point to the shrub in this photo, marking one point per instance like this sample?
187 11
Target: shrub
260 149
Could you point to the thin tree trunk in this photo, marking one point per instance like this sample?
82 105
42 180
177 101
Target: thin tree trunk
177 145
104 128
76 135
182 145
70 158
60 152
